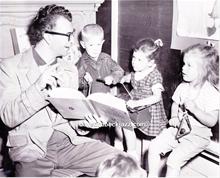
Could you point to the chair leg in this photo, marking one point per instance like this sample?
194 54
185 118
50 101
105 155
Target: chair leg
144 147
142 152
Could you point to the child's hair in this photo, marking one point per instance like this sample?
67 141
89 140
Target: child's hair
92 30
120 166
208 60
149 47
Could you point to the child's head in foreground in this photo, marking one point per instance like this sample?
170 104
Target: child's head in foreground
120 166
201 63
92 39
145 52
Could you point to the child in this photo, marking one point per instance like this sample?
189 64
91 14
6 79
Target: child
120 166
146 81
200 97
97 71
95 64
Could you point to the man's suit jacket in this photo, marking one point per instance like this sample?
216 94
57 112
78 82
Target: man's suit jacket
24 109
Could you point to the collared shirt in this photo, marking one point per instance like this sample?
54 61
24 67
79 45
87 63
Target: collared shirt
37 58
40 62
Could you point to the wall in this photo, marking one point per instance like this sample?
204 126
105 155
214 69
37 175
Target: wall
103 18
18 13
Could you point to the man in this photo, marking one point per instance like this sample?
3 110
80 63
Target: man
40 140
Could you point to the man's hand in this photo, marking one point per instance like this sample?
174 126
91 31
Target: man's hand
93 121
48 79
73 54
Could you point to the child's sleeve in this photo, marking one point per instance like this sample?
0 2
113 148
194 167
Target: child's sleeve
117 72
81 72
211 99
156 81
179 93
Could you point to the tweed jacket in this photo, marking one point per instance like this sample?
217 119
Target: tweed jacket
24 109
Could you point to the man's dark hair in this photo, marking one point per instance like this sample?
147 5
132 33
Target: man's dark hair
45 20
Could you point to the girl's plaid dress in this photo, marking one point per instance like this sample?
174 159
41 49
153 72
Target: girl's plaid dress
143 89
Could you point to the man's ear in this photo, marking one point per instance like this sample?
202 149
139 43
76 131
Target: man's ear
82 44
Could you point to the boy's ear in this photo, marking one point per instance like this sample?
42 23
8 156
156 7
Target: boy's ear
82 44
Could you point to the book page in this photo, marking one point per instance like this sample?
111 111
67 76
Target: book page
110 100
66 93
112 109
70 103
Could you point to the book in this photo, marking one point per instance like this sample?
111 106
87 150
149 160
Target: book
72 104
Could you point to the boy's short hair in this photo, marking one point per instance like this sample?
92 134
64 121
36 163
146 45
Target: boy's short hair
120 166
92 30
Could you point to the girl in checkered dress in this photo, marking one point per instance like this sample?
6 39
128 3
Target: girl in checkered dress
146 104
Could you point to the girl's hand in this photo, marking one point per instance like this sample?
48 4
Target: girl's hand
108 80
174 122
132 104
88 77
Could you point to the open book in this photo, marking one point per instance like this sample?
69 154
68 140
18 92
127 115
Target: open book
72 104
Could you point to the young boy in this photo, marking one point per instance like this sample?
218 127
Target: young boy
97 71
95 64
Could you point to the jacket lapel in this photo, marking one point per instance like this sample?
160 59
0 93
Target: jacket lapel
28 71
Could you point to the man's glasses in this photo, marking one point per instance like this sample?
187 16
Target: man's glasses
69 34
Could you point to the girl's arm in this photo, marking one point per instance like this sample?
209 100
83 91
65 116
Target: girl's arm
155 98
174 120
207 118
